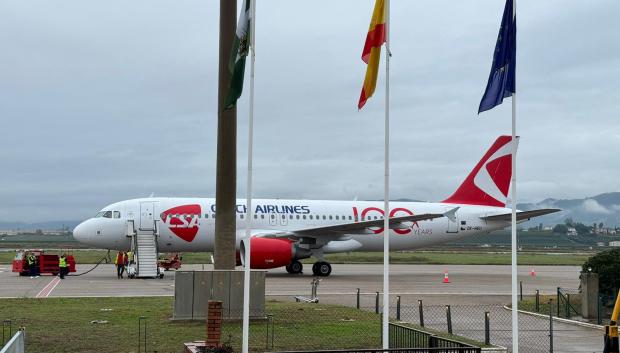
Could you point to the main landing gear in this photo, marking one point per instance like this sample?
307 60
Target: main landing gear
321 268
294 267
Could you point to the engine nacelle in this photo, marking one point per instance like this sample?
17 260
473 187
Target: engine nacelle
269 253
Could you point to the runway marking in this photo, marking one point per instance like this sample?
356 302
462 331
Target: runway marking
47 290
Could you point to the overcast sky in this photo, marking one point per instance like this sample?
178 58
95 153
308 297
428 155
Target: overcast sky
111 100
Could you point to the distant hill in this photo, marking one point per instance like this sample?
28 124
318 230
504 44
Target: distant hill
50 225
603 208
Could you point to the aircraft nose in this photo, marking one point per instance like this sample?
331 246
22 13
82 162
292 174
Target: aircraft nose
80 233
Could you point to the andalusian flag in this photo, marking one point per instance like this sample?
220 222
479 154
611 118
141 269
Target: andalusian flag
238 54
372 51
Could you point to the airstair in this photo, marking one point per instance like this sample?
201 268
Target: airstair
144 248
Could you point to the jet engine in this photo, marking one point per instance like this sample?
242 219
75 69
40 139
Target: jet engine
269 253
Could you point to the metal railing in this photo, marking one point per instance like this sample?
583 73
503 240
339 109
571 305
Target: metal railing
407 337
393 350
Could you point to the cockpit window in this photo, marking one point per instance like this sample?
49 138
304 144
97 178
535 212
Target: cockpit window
117 214
99 214
107 214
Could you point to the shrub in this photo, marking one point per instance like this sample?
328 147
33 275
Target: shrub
607 265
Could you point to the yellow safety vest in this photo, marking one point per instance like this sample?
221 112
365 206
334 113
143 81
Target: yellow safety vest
62 262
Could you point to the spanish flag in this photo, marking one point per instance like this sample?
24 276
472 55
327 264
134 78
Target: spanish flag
372 51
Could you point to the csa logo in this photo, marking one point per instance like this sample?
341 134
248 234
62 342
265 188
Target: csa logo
182 221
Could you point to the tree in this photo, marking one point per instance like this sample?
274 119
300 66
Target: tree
560 229
607 265
582 229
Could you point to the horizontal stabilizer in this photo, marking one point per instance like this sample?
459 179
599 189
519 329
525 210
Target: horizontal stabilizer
522 215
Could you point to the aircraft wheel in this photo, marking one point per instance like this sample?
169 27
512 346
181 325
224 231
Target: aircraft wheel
294 267
322 269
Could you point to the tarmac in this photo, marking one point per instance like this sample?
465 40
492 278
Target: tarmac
473 289
492 282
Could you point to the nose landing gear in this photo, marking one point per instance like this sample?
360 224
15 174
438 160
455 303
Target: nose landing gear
322 268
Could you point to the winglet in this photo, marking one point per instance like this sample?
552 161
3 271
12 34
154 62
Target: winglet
452 214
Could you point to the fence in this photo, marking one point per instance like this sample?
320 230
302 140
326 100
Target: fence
391 350
406 337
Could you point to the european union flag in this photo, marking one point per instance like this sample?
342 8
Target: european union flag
502 78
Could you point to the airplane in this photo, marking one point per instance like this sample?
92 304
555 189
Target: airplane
283 232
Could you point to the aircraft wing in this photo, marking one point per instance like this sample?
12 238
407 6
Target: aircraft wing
522 215
339 230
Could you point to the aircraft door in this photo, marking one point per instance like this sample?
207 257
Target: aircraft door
147 210
453 224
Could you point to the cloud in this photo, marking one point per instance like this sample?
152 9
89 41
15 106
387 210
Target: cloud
592 206
105 101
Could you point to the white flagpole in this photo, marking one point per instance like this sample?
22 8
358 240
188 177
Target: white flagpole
248 202
515 314
513 196
386 191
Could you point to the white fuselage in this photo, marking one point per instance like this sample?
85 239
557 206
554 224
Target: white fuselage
188 224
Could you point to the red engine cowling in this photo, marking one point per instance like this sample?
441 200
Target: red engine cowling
269 253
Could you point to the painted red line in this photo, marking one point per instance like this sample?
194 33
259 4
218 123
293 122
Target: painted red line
47 290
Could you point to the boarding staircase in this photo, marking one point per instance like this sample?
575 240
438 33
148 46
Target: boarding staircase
144 247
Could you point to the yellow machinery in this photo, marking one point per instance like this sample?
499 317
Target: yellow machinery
611 330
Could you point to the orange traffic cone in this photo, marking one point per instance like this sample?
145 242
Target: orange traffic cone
445 277
532 272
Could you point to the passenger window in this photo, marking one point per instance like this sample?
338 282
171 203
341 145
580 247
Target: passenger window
255 216
330 217
273 216
336 217
283 216
324 217
107 214
297 216
241 216
206 216
290 216
310 216
213 215
117 214
304 216
350 218
262 216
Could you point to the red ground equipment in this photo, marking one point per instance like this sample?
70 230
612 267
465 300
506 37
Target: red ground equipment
172 261
43 263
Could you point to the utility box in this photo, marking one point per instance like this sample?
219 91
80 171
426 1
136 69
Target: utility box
194 289
589 295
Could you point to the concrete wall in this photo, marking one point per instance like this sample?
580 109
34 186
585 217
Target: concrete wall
16 344
193 289
589 295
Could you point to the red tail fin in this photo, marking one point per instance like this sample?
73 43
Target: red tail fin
488 186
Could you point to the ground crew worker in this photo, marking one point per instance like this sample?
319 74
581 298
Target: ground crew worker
125 262
62 264
130 257
32 264
119 261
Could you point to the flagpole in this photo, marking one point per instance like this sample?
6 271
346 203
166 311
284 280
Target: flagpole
515 304
515 314
386 191
248 202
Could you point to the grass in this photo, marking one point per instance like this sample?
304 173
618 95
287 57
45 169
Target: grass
111 325
64 325
453 257
94 256
461 257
